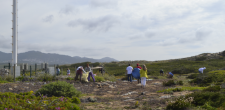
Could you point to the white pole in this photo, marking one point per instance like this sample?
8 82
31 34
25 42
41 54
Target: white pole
14 37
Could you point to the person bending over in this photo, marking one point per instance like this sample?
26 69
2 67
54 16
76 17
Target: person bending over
88 69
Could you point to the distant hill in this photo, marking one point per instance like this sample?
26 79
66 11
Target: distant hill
39 57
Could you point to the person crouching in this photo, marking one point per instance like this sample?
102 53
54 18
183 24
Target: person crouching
79 72
143 75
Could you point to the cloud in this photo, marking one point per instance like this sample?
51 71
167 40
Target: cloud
68 9
150 34
202 33
5 43
102 23
48 19
104 3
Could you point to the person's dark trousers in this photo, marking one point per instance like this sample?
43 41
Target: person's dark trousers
91 74
78 74
129 76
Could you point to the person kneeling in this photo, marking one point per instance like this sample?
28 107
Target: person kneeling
169 75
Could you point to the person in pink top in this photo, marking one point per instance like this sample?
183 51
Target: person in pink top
139 81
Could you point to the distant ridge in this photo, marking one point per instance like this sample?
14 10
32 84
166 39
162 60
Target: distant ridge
51 58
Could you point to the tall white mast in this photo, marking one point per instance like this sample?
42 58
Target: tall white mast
14 32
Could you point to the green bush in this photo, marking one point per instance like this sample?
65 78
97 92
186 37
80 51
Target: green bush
75 100
69 78
28 101
179 104
201 58
99 79
169 83
207 78
193 76
46 76
208 107
59 88
213 89
214 99
180 83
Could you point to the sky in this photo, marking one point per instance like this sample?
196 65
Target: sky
121 29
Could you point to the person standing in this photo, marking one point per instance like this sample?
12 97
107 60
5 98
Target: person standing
129 73
143 75
200 70
68 71
79 72
57 71
88 69
161 72
139 67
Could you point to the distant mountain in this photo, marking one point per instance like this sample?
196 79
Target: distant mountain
39 57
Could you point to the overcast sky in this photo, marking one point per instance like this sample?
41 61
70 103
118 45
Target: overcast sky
121 29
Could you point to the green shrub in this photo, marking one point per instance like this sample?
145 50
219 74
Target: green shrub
76 100
208 107
213 89
201 58
193 76
169 83
46 76
214 99
28 101
179 104
9 78
19 78
59 88
180 83
69 78
99 79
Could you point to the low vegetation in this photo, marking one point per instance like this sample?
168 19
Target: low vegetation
59 88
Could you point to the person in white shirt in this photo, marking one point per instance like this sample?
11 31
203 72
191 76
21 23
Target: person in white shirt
200 70
68 71
129 72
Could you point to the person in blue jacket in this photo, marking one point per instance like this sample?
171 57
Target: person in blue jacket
169 75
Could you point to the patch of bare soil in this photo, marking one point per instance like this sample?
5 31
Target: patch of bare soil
118 95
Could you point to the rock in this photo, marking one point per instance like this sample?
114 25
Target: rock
104 84
26 87
10 89
110 103
165 97
109 91
92 99
138 85
143 93
129 100
15 86
157 83
110 86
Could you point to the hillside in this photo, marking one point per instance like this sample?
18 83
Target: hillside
32 57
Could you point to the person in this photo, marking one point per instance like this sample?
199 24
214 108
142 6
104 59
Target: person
57 70
79 72
143 75
161 72
129 73
139 68
88 69
169 75
68 71
200 70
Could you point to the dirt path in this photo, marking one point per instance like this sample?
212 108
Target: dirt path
109 95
